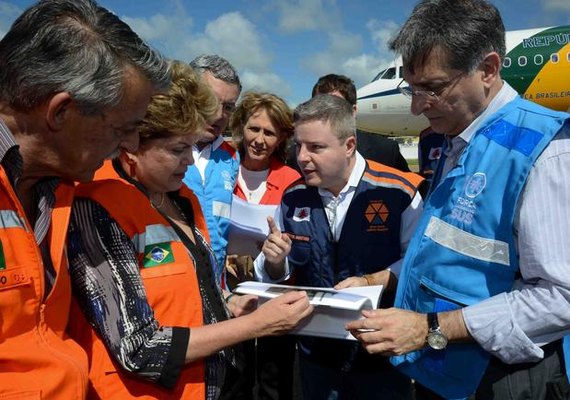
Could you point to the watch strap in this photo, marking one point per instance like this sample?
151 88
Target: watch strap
433 322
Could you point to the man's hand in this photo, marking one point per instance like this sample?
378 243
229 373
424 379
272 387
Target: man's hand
384 277
275 248
394 331
390 331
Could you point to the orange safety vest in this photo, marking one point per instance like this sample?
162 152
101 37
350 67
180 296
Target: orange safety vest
171 286
37 359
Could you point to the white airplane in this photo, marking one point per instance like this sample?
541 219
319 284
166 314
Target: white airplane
537 65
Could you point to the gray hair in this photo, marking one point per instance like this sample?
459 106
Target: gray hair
73 46
466 31
328 108
219 67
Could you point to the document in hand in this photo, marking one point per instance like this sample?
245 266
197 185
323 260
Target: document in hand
333 308
248 226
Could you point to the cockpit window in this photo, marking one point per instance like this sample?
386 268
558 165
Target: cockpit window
389 73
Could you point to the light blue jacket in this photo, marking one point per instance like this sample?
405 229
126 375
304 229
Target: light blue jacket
463 250
215 196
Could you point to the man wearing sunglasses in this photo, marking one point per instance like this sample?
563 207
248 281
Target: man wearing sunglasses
483 301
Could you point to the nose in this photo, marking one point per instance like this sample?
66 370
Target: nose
130 142
419 105
188 158
301 154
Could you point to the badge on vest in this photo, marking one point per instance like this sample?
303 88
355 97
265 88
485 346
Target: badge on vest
464 209
157 254
302 214
377 214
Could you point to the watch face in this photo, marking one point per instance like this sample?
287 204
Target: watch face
437 340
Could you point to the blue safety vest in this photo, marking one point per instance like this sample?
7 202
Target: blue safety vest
464 250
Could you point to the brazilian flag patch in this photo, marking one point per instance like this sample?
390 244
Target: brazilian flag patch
2 258
157 254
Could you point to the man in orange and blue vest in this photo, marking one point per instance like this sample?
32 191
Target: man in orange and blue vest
75 82
380 206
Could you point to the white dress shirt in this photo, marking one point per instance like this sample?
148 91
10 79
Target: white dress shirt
341 203
513 325
201 157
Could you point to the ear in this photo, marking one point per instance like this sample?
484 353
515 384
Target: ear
59 110
350 144
490 66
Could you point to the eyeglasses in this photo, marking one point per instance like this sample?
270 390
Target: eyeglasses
429 95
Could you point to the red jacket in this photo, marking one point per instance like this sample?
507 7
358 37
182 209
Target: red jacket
280 176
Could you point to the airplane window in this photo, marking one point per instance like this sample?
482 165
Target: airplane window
390 73
379 75
401 71
568 56
554 57
522 61
538 59
507 62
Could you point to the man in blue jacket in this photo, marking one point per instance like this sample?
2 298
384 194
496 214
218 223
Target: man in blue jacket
351 219
483 298
213 175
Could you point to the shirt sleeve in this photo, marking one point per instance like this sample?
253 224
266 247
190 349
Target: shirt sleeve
107 284
514 325
409 221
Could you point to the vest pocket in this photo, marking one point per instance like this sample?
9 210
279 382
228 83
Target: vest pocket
300 252
436 298
27 395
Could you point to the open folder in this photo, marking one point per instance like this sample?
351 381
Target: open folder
333 308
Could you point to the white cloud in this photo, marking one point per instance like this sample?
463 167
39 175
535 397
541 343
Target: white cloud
556 5
266 82
231 35
8 13
307 15
381 32
159 27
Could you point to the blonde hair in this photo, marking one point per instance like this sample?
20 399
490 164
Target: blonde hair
185 109
277 110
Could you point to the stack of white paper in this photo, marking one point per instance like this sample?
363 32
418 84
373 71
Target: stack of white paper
333 308
248 227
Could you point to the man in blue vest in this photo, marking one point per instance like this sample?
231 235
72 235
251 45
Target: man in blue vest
213 174
350 218
483 298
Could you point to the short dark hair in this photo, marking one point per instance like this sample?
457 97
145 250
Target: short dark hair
219 67
73 46
465 30
333 82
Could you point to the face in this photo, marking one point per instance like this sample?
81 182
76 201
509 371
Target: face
461 96
260 140
162 163
86 141
325 161
227 95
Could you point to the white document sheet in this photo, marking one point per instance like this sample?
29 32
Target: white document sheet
333 308
248 227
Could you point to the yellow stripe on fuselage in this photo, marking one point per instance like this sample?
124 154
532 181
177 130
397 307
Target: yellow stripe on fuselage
551 86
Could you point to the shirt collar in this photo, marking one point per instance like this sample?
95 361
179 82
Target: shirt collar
7 140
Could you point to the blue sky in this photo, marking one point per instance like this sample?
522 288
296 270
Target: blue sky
283 46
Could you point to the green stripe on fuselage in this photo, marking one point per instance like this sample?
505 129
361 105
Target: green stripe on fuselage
543 43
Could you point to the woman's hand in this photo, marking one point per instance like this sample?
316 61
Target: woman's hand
242 305
283 313
352 281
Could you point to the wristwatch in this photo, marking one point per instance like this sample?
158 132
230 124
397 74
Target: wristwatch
436 339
